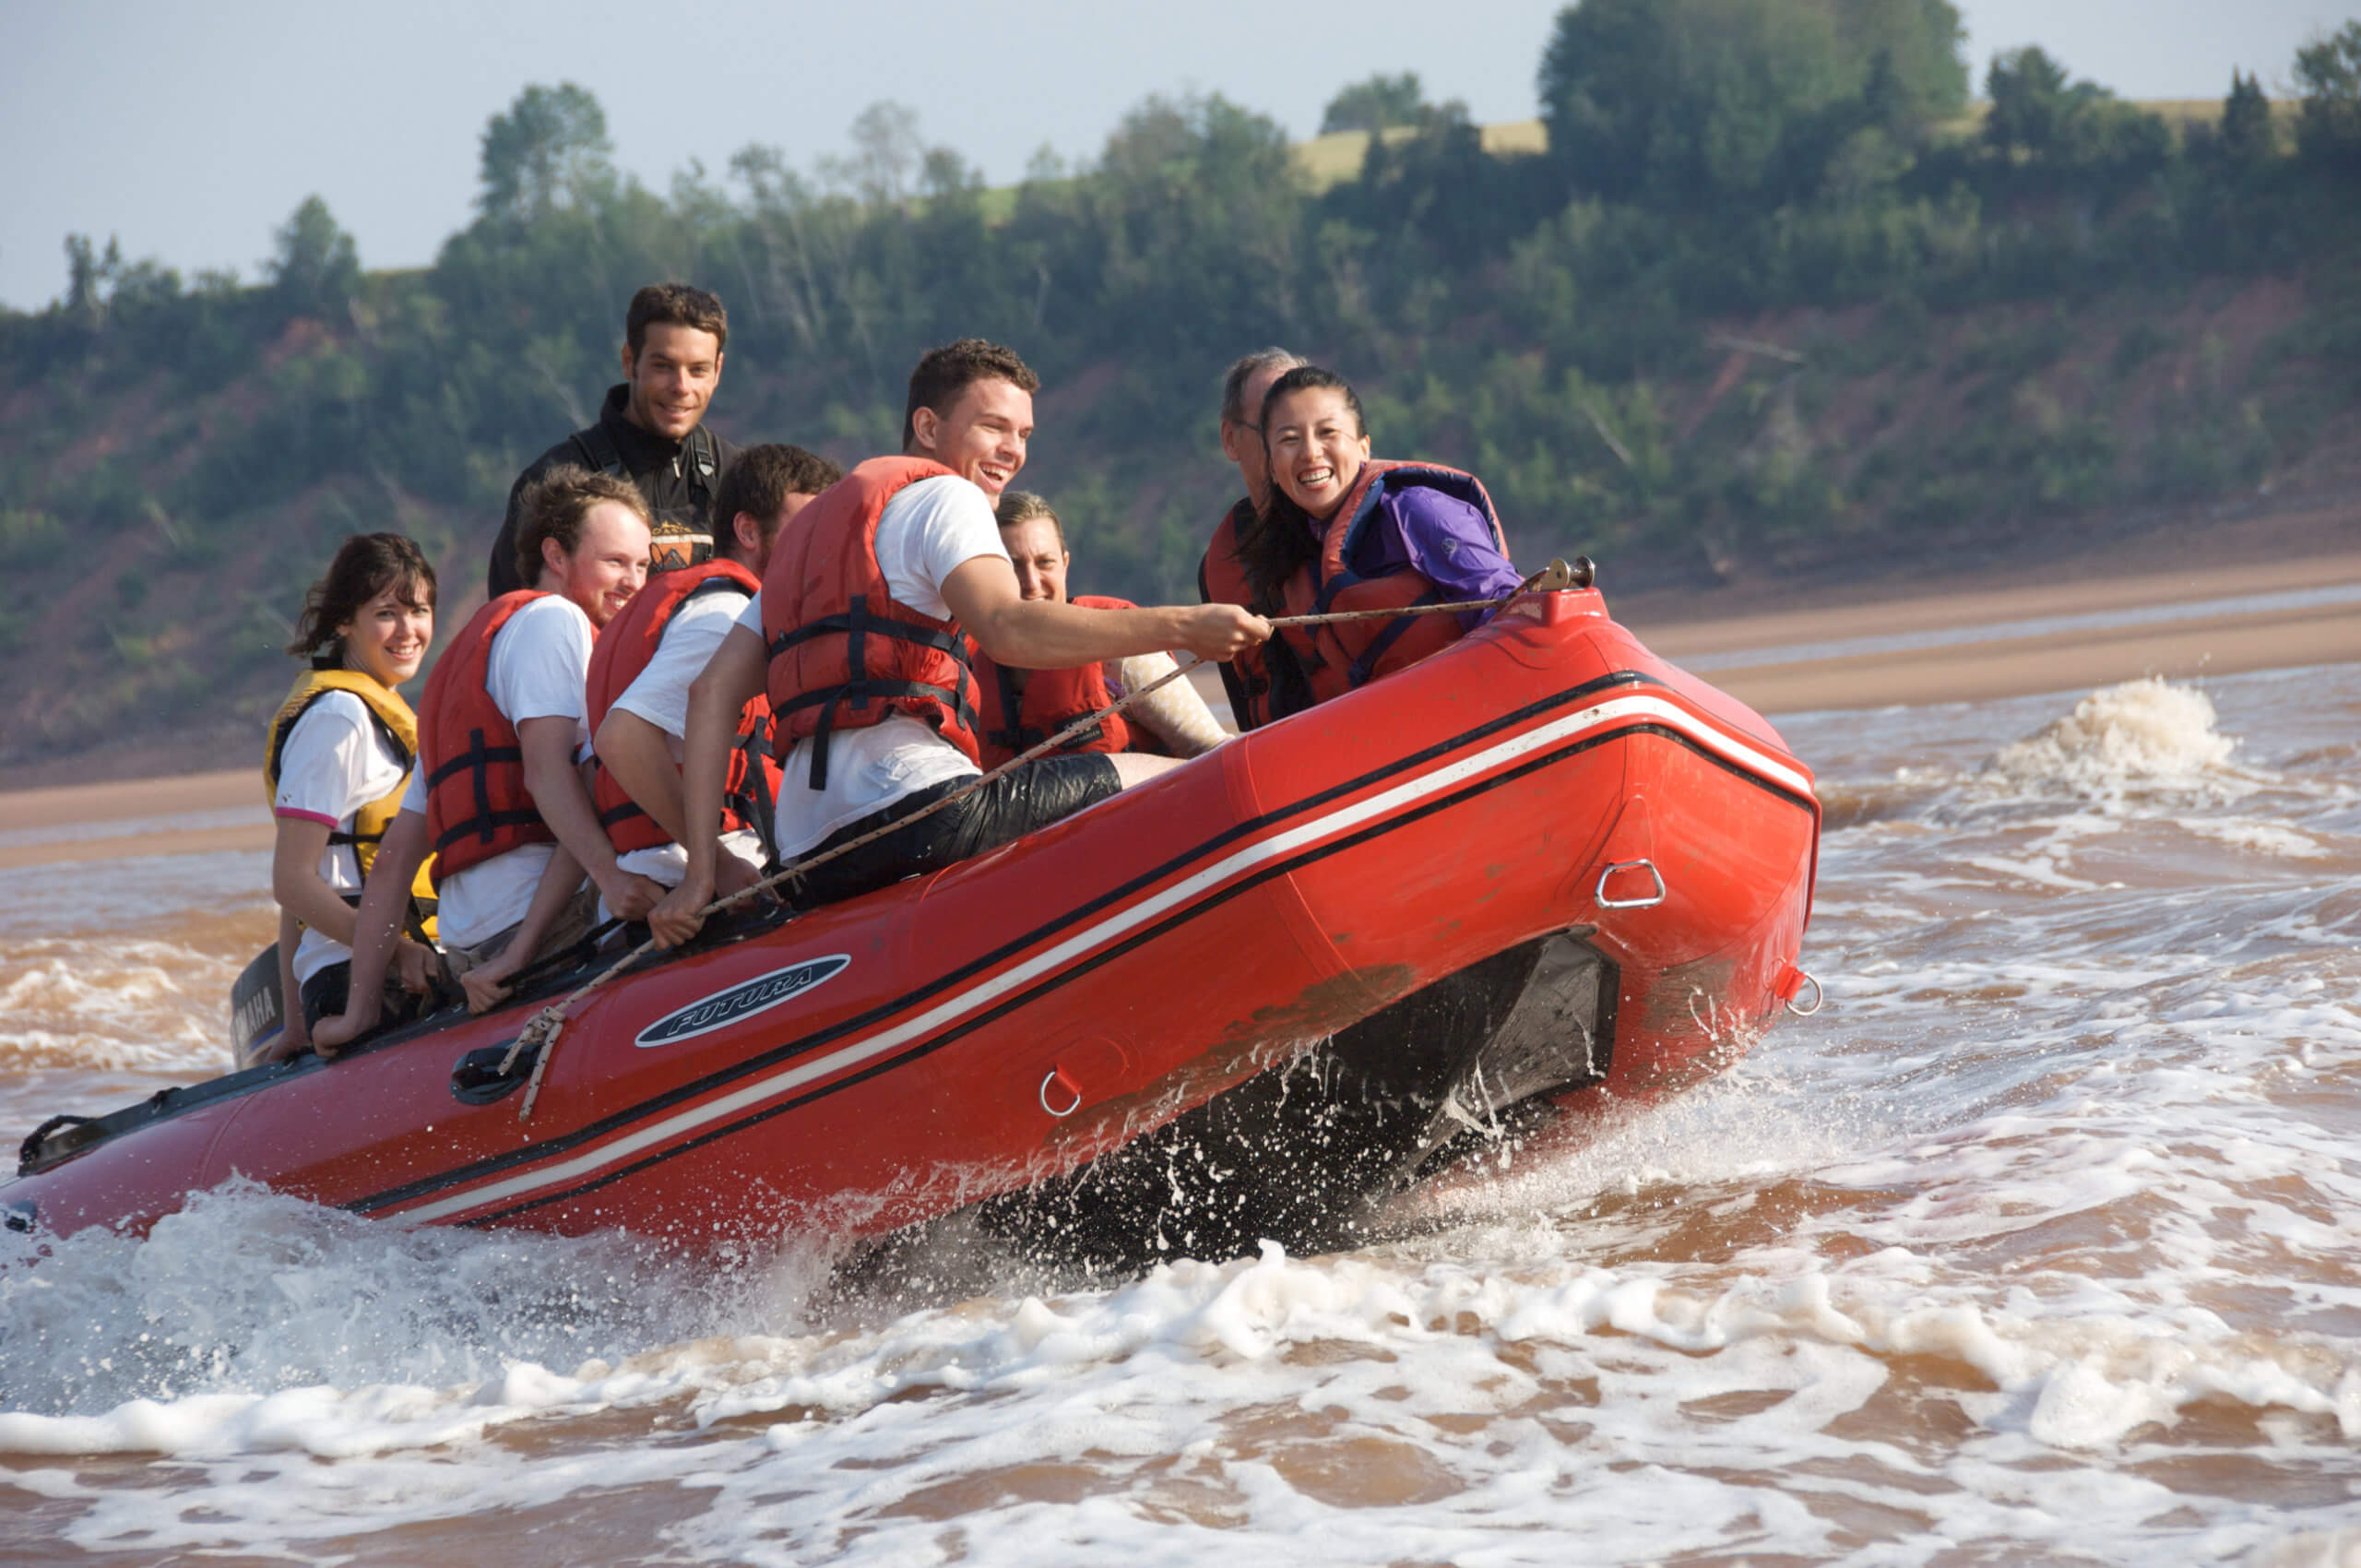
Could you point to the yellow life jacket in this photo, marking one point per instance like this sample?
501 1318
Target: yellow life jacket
397 724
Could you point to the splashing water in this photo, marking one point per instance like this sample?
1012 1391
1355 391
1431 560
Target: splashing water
2140 737
2040 1245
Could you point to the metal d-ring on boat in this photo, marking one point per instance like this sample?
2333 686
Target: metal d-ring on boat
1649 902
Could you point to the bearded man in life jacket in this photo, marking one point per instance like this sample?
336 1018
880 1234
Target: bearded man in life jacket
859 641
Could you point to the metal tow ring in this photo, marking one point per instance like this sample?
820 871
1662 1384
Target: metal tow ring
1057 1075
1819 997
1600 896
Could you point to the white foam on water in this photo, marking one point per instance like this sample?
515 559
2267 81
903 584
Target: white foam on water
2258 838
114 1004
2041 1243
2310 1548
1445 1410
2142 736
246 1295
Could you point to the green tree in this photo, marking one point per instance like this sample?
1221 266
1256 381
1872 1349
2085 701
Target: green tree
89 279
2246 135
316 270
887 155
1705 103
2041 112
1377 104
549 149
1195 214
2328 128
2033 102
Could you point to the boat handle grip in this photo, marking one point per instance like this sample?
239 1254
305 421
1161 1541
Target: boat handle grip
1057 1075
1651 901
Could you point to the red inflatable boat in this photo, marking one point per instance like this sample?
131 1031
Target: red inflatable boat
1539 869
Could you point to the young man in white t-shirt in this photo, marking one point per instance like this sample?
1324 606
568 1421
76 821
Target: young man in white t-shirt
639 741
938 547
589 535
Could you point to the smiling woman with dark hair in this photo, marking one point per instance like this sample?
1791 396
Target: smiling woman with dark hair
337 758
1344 531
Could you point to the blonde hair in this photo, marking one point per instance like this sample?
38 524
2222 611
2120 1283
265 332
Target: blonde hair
1021 506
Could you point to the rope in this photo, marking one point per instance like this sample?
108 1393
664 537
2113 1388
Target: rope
542 1031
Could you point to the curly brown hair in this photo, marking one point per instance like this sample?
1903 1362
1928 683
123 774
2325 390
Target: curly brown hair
553 505
760 481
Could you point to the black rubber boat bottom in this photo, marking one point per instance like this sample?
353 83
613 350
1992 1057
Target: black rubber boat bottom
1304 1152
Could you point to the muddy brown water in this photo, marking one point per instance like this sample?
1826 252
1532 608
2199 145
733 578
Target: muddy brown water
2042 1243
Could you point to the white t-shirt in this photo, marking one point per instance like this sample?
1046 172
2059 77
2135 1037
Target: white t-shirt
335 762
660 693
540 659
927 531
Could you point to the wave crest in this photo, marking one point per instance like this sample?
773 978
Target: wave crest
2145 736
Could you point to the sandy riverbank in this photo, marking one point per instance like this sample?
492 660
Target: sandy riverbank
2066 633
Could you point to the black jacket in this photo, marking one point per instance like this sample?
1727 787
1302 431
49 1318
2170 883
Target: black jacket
677 488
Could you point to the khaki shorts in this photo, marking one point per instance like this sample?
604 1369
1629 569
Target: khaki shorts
572 923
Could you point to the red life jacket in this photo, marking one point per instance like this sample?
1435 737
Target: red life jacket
626 646
477 805
1051 700
1247 676
1304 665
844 654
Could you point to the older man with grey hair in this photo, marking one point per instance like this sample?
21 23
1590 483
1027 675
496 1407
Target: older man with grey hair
1242 390
1242 424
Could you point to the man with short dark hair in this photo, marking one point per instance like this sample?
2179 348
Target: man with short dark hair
651 430
1242 390
637 691
860 638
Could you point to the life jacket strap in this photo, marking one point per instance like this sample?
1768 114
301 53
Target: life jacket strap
857 693
483 821
752 800
1017 736
1366 665
856 626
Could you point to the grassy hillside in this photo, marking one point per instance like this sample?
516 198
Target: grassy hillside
157 642
1874 332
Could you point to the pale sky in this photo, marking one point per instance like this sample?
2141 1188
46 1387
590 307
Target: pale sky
192 130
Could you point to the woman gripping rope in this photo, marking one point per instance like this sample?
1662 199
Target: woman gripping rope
1346 531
